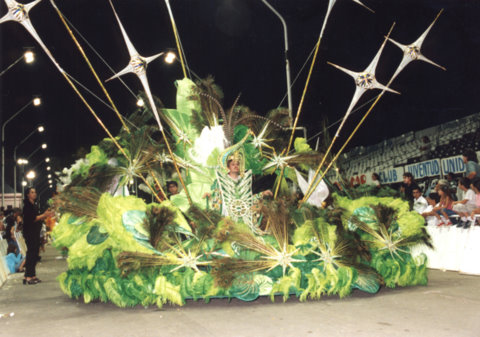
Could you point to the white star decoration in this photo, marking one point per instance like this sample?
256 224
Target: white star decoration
278 161
325 256
364 81
138 66
188 260
260 141
413 52
20 13
283 258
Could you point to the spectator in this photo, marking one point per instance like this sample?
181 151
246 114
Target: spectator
470 159
172 188
420 204
32 224
464 207
2 225
10 223
475 185
446 205
433 201
425 147
15 261
407 186
452 184
376 180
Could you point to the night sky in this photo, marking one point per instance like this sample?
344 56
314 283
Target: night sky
240 43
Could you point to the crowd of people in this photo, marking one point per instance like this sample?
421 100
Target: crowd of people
452 201
30 223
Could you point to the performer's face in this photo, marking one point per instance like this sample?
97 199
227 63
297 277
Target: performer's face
234 166
173 189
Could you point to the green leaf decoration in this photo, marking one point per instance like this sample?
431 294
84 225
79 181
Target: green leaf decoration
166 292
96 235
265 284
245 288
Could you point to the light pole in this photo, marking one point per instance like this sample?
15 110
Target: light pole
40 129
22 162
43 147
29 57
35 101
287 62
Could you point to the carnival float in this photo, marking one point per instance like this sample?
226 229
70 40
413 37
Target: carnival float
217 238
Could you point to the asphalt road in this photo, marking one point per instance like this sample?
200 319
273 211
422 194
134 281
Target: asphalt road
448 306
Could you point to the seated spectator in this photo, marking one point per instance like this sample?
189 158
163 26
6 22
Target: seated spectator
407 187
15 261
473 168
433 201
453 185
376 180
464 207
475 185
2 226
420 204
445 208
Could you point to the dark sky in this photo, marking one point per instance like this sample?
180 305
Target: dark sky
240 43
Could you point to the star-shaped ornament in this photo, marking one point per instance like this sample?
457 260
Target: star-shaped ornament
364 80
283 258
138 66
412 52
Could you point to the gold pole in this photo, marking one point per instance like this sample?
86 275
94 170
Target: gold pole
104 90
177 40
90 66
300 106
344 145
310 189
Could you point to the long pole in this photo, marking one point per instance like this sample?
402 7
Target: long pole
287 62
10 66
3 148
15 165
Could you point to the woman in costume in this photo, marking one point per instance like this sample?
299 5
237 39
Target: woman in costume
232 190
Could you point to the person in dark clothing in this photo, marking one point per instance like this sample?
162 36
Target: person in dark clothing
32 224
9 223
408 186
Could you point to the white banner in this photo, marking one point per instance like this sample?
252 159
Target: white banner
453 164
429 168
391 175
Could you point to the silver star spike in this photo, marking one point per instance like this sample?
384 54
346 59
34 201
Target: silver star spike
364 81
413 52
331 3
138 66
20 13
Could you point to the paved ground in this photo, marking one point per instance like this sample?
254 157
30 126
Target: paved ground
449 306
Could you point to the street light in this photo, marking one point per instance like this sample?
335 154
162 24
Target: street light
170 57
287 62
29 57
40 129
30 175
43 147
38 102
